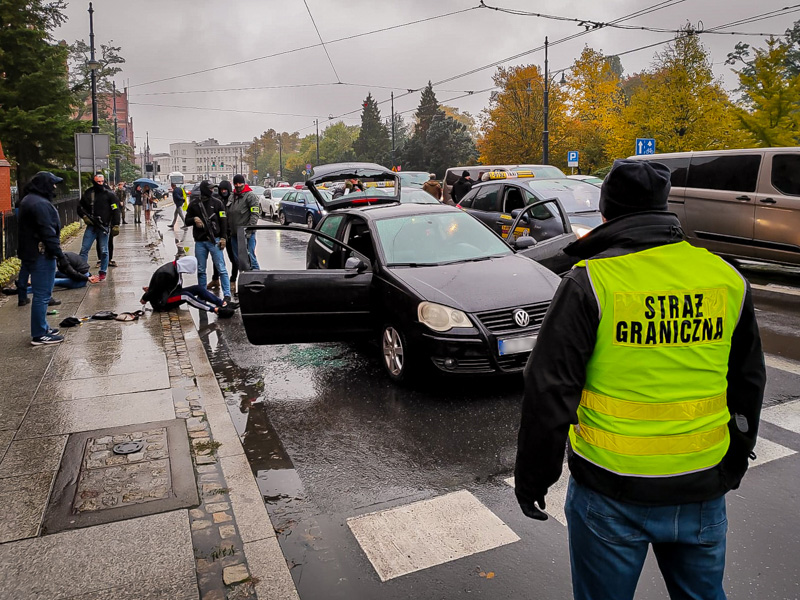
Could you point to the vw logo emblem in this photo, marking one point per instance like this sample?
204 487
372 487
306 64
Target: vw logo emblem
521 318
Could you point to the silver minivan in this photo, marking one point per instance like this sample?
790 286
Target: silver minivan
738 203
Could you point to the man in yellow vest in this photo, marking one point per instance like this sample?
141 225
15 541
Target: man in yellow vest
649 361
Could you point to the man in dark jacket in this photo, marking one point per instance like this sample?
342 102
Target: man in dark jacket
39 249
210 230
166 290
650 360
178 198
461 187
225 193
244 210
122 196
99 210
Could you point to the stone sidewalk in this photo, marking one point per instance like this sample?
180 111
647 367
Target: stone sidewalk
178 516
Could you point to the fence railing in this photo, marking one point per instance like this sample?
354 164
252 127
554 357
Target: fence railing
66 205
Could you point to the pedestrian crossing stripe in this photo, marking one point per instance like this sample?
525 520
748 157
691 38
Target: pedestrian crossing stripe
786 416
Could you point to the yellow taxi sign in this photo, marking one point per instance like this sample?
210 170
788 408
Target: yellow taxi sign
491 175
380 184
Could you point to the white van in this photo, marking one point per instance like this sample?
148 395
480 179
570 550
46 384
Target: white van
738 203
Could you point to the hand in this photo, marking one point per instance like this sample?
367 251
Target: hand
87 220
530 510
143 301
199 222
222 244
115 231
145 288
94 279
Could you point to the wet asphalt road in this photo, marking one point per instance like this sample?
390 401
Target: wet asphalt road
330 438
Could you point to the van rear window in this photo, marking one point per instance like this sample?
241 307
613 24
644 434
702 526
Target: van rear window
734 173
678 168
786 173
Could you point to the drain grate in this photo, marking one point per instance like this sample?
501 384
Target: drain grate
128 447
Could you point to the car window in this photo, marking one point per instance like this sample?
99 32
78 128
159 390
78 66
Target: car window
359 238
735 173
575 196
541 212
330 226
413 178
487 199
436 238
288 197
513 199
466 201
278 192
678 168
786 173
416 196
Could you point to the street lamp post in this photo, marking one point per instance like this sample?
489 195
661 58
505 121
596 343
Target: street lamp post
280 157
116 134
93 66
316 122
546 132
393 147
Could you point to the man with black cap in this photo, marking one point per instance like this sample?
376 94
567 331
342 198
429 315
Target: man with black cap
99 210
210 231
244 210
649 360
39 249
461 188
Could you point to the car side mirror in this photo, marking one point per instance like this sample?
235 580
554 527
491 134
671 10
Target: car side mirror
524 242
516 212
355 264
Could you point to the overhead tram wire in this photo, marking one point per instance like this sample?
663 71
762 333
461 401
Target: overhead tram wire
335 41
281 87
324 47
233 110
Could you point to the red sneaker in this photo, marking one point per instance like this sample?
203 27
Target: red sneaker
101 277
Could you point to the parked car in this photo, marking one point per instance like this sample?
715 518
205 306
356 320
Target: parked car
413 179
404 274
301 207
587 178
494 202
258 189
476 172
270 201
738 203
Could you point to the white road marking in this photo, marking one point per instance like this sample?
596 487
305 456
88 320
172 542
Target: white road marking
432 532
781 363
767 451
785 415
781 289
556 496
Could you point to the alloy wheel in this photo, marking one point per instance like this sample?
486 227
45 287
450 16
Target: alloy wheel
393 351
282 218
310 221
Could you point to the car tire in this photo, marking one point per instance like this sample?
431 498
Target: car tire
396 359
281 218
271 213
310 221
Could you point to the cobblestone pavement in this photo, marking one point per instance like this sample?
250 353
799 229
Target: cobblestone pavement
124 375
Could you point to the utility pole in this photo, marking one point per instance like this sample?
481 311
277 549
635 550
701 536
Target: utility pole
93 65
280 157
147 154
116 134
316 122
546 132
393 165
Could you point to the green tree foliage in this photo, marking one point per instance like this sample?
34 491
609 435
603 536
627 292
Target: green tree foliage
80 76
426 111
447 144
35 101
373 143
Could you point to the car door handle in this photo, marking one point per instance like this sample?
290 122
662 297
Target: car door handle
743 198
255 287
768 201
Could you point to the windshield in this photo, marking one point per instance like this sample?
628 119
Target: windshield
546 172
439 238
413 178
415 196
280 192
576 196
257 189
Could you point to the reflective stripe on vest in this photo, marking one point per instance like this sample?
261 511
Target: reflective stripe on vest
654 402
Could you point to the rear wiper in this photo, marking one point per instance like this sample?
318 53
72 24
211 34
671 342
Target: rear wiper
413 265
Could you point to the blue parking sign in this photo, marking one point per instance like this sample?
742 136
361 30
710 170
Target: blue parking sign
645 146
572 158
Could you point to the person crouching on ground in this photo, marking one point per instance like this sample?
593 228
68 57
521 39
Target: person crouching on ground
207 214
166 290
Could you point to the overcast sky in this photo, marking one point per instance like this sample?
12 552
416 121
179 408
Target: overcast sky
167 38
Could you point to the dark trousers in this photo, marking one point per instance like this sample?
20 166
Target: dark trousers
234 258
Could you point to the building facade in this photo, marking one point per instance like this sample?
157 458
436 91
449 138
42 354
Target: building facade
209 160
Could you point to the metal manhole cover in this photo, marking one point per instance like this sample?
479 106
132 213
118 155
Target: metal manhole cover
128 447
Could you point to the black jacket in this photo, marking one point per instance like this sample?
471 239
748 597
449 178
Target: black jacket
217 220
177 195
74 266
460 189
101 204
164 283
556 373
39 222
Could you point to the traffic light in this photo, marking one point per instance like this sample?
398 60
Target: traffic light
222 165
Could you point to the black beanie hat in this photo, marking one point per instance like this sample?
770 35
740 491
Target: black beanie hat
238 179
206 189
634 186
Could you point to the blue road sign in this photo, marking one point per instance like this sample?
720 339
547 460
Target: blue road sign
645 146
572 158
308 167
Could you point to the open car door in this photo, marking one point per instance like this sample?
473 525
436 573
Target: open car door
546 232
299 305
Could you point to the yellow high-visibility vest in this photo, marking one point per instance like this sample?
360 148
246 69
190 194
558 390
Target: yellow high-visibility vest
654 403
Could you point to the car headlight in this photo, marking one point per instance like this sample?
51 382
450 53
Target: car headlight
441 318
323 212
581 230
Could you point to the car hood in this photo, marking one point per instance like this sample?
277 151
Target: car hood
507 281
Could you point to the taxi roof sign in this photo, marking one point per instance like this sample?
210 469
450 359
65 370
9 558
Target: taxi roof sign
491 175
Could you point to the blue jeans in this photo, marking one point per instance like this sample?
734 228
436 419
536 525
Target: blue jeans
65 282
251 253
608 542
90 235
201 252
43 274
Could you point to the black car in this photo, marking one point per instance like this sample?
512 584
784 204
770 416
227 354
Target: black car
494 202
433 285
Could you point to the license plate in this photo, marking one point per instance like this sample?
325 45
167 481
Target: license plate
516 345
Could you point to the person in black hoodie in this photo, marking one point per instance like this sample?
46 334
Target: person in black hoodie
39 249
460 188
99 210
226 195
661 426
210 230
166 290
